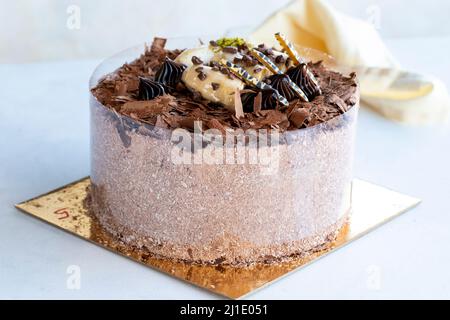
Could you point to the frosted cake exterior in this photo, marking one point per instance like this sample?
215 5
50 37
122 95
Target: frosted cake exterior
290 203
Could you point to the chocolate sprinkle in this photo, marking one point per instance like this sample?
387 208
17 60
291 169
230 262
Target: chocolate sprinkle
202 76
215 86
196 60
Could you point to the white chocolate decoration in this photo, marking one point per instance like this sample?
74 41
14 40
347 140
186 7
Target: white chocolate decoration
224 93
204 53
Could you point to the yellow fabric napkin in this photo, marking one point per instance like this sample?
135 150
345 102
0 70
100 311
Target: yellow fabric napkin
396 94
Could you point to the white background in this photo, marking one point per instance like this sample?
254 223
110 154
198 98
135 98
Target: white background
37 29
44 143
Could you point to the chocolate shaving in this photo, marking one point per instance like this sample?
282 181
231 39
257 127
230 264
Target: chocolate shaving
145 109
239 111
298 117
257 102
215 124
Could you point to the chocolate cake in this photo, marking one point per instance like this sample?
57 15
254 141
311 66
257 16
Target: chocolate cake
224 153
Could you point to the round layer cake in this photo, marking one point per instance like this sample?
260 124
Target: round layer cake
180 172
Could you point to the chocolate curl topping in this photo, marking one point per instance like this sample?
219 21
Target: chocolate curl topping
170 73
293 54
263 59
149 89
299 75
251 81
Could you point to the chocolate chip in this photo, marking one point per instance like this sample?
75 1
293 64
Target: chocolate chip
213 43
231 50
243 48
288 61
224 70
214 64
215 68
279 59
215 85
202 76
199 69
248 61
237 60
196 60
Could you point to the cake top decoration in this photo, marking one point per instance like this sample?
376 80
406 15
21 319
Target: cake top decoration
149 89
247 78
170 73
298 60
274 69
230 82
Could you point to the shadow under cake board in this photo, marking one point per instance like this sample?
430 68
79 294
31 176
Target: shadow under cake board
372 206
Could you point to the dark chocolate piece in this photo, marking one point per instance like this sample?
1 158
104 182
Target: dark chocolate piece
268 99
299 75
170 73
150 89
280 82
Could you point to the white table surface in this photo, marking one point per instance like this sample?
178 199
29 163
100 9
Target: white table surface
44 143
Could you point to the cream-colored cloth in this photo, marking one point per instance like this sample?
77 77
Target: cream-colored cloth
354 43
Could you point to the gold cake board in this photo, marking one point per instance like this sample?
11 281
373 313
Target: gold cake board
372 206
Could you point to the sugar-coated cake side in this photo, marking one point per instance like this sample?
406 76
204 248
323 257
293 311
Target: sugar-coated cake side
220 213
